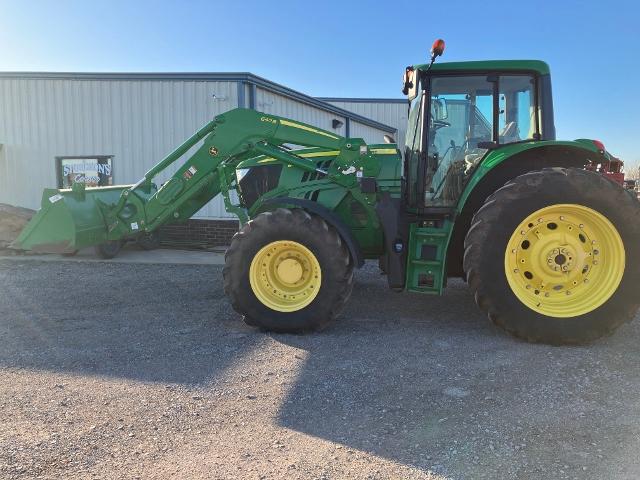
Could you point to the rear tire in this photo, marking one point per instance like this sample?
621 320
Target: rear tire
311 238
108 250
596 297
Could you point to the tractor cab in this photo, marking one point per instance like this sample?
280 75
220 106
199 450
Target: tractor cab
458 112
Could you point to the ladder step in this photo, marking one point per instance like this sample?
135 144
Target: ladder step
427 249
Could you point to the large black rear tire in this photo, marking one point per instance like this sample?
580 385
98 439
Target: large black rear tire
309 233
498 224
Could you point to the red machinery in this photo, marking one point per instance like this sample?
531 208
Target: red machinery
610 168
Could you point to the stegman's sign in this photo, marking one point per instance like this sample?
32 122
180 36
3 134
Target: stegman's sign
84 166
92 171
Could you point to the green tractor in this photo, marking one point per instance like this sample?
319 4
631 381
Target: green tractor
481 190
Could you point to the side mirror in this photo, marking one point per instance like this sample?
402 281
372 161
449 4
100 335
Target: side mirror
410 83
388 139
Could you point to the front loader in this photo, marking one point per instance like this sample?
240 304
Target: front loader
482 189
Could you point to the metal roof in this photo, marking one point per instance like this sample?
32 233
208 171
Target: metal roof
246 77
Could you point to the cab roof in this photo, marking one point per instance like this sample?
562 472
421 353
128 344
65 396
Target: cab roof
489 65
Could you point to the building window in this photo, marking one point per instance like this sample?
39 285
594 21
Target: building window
92 170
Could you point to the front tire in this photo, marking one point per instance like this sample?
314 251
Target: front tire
288 271
554 256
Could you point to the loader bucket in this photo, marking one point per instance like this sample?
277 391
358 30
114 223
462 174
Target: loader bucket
68 220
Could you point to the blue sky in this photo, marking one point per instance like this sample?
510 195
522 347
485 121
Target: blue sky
349 48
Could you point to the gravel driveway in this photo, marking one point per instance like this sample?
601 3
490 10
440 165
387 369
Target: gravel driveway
122 371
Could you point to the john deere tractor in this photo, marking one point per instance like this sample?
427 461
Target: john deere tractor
481 190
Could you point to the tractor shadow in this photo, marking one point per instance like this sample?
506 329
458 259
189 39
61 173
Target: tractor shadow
142 322
424 381
428 382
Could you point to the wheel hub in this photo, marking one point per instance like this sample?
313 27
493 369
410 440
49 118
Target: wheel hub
285 276
564 260
561 259
290 271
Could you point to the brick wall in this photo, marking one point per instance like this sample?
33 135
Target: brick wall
200 234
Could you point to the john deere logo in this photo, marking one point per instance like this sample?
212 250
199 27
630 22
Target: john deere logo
213 151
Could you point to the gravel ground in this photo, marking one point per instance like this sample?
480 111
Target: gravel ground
119 370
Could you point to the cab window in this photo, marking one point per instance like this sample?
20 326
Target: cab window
517 115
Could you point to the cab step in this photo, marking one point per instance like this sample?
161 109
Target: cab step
426 271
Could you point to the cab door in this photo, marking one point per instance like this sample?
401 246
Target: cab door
461 121
415 149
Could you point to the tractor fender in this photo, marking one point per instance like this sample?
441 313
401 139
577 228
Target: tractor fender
497 169
516 159
328 216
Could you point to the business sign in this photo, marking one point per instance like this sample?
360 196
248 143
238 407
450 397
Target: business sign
92 171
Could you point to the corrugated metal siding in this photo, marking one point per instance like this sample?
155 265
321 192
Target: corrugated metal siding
369 134
276 104
393 114
270 102
138 122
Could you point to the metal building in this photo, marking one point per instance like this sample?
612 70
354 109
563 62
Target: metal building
55 127
390 111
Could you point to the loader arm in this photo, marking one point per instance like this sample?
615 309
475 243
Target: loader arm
71 219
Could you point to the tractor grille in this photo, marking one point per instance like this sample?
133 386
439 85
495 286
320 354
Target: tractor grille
258 181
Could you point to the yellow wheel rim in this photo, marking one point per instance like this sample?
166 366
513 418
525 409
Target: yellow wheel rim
564 260
285 276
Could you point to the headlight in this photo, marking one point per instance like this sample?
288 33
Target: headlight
240 173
